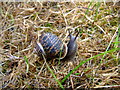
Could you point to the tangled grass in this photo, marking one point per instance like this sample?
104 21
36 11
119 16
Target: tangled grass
96 64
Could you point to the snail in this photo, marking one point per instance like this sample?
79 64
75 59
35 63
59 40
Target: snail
52 47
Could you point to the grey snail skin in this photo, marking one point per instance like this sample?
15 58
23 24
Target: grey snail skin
52 47
72 47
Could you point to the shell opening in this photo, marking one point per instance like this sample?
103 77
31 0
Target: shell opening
40 48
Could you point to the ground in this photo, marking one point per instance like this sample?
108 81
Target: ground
96 64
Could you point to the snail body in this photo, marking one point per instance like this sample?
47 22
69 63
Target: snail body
72 47
52 47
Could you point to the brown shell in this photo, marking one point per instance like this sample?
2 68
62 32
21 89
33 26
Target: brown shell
53 46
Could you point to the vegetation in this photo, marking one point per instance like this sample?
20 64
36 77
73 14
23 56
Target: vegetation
96 64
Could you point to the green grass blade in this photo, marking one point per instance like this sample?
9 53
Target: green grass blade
89 7
83 62
97 9
27 63
61 86
55 77
116 43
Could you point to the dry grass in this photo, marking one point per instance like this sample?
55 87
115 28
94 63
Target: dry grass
22 68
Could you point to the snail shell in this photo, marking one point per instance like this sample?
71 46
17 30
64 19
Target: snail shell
50 46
